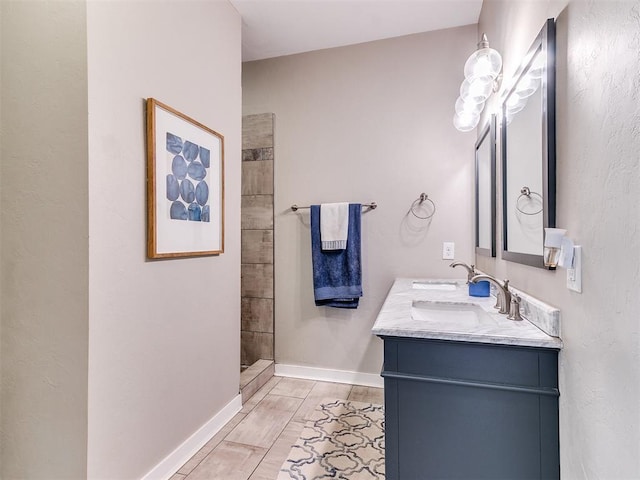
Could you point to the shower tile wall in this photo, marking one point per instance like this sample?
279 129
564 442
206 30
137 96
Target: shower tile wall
257 238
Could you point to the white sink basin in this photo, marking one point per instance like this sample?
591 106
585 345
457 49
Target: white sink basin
450 315
426 285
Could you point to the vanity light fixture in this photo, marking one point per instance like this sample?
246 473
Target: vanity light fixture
527 85
482 78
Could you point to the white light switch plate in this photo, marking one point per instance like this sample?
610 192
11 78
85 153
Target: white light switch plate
574 275
448 250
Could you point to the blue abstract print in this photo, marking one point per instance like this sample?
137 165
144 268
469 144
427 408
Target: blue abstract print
187 191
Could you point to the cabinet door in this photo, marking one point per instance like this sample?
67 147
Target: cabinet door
451 431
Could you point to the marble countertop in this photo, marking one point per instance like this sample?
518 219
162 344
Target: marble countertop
395 318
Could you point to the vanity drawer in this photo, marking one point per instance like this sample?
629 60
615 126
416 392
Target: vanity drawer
472 362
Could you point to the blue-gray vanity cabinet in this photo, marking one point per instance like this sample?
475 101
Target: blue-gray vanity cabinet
470 410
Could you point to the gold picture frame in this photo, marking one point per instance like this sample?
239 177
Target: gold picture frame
185 185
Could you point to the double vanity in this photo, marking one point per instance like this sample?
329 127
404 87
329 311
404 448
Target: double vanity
469 393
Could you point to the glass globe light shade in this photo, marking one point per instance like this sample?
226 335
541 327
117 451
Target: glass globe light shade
508 118
471 107
537 66
465 122
476 90
484 61
527 86
515 103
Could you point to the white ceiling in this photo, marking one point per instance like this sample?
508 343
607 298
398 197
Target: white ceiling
271 28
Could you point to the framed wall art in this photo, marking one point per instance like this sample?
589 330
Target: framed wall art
185 185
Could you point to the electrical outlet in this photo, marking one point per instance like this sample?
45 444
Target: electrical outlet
448 250
574 274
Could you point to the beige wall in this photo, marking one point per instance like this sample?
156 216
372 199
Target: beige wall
44 258
370 122
598 109
1 153
165 335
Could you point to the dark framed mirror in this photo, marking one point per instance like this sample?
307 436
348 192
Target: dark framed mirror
486 190
528 151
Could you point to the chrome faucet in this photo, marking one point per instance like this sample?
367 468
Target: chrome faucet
503 302
471 269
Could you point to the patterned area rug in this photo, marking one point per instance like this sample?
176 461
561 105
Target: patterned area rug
343 440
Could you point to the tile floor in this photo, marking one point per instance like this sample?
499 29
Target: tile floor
253 445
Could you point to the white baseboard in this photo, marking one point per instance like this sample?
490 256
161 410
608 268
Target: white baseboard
176 459
326 375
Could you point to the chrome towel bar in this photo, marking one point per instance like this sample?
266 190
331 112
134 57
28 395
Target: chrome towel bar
372 206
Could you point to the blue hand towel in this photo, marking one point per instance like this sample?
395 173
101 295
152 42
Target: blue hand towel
337 274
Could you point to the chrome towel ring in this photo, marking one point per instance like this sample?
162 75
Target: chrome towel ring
418 202
527 193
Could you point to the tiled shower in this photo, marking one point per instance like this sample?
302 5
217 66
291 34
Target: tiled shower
257 239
